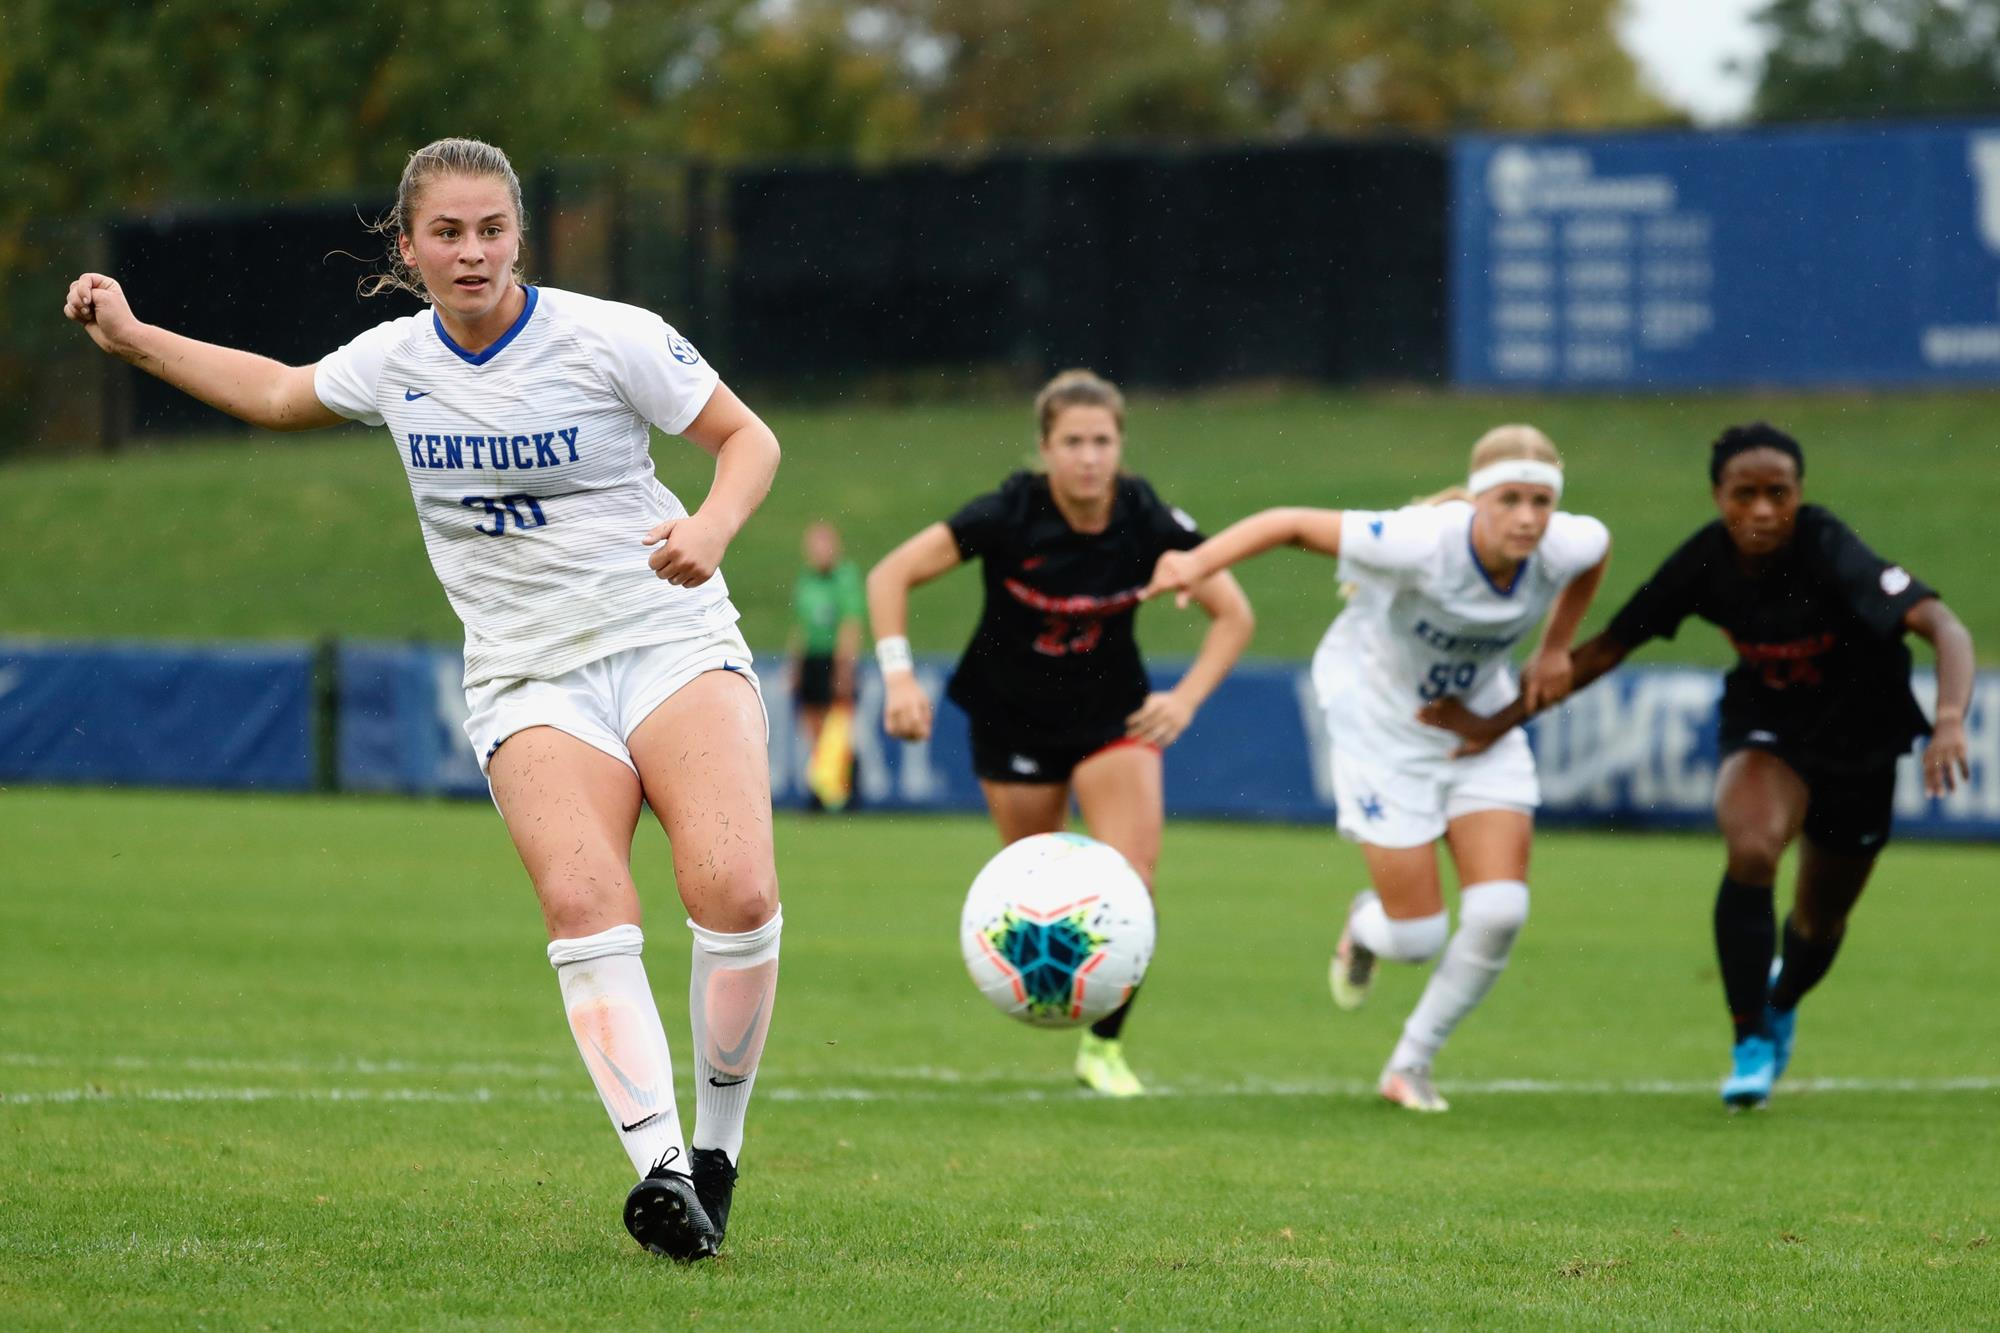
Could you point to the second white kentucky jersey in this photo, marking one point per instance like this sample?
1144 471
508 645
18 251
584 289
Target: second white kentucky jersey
530 465
1426 620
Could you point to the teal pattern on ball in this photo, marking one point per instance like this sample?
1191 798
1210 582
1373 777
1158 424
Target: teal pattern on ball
1047 955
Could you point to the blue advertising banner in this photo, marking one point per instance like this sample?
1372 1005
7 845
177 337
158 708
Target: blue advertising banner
1782 257
400 721
1636 750
155 715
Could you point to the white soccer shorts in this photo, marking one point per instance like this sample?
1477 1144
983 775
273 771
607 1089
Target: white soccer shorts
602 703
1407 801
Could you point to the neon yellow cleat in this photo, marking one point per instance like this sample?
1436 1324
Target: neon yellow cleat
1353 967
1101 1067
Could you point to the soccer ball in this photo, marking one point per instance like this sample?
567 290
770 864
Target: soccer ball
1057 930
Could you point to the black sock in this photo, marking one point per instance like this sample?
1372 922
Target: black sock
1806 961
1109 1026
1746 932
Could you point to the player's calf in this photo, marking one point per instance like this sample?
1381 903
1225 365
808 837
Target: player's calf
731 991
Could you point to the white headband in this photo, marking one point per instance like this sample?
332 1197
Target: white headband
1526 470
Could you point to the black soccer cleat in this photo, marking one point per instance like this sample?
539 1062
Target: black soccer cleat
714 1182
664 1214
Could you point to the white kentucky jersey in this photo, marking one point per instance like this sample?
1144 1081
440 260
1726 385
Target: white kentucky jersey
1426 620
530 466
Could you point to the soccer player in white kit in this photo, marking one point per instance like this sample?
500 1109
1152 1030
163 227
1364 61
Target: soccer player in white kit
1441 593
597 676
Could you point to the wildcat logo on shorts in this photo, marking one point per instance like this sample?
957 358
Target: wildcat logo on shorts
682 350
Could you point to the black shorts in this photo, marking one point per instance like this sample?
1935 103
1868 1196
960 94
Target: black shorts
815 680
1849 807
1002 755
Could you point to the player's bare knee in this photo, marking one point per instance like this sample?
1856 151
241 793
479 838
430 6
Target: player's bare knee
1755 860
572 915
1756 846
741 902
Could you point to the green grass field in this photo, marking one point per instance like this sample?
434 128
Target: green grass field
299 1063
304 536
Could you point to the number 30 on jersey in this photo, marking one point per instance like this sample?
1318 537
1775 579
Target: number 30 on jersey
523 511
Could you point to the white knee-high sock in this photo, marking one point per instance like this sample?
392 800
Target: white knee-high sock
617 1029
730 993
1411 940
1490 915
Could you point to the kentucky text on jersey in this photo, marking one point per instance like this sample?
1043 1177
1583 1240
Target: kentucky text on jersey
502 453
1447 642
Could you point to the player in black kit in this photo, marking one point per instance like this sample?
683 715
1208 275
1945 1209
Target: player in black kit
1814 717
1052 679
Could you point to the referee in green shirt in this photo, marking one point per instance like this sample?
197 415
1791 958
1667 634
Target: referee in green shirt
827 610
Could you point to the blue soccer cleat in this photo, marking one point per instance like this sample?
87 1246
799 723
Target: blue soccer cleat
1753 1069
1780 1025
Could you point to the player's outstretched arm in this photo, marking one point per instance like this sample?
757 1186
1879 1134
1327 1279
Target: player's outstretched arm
688 551
1164 716
1550 676
906 709
1310 529
1597 658
1945 759
249 387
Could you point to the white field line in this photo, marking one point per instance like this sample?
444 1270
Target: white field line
125 1064
1333 1089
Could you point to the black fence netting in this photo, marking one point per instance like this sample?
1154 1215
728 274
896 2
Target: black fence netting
1318 262
281 282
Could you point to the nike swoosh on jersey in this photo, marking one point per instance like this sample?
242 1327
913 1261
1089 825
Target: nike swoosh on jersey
411 395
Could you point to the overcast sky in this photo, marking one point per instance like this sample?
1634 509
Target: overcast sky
1684 47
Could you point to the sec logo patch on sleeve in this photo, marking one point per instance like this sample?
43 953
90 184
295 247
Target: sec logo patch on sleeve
682 350
1895 579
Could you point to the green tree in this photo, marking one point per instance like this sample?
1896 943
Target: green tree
1329 65
925 75
110 107
1866 58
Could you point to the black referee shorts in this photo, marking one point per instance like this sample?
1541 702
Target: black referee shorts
815 680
